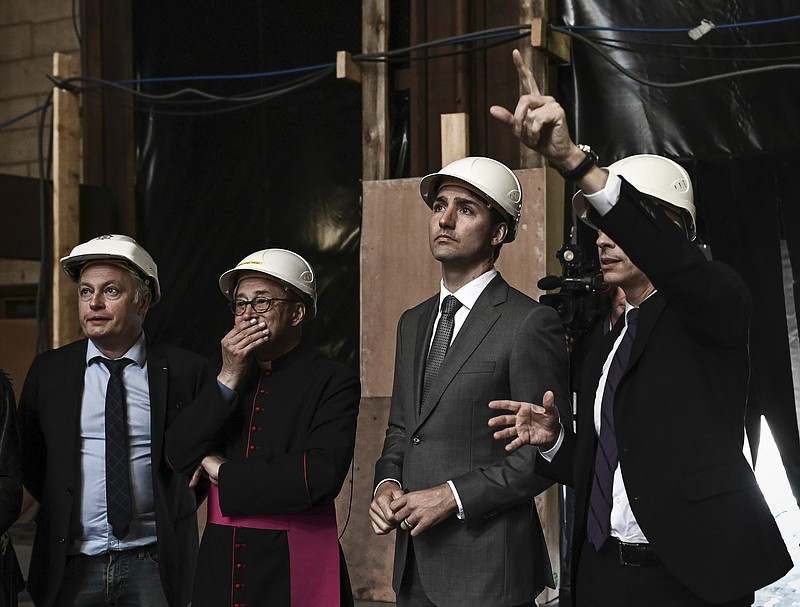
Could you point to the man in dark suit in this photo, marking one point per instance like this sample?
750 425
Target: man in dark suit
668 511
106 533
468 530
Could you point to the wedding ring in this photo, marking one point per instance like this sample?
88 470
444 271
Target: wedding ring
408 524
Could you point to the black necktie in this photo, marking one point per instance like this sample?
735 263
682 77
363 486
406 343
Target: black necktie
118 480
441 341
607 458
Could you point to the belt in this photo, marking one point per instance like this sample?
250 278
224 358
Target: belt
633 555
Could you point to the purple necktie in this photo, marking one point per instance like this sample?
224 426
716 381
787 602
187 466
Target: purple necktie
441 341
118 482
606 458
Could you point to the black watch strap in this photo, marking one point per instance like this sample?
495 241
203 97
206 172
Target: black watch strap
587 163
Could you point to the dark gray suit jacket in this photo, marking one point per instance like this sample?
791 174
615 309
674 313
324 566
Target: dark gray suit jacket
510 347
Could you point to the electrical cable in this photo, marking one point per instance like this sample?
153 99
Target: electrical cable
24 115
453 40
293 70
45 243
669 30
507 33
259 95
625 46
696 46
240 105
470 50
668 85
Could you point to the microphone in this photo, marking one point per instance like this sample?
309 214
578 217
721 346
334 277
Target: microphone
548 283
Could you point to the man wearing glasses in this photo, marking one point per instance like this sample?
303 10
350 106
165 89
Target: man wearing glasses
277 452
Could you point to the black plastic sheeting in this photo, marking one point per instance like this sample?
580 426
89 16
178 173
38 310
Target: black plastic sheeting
283 173
737 137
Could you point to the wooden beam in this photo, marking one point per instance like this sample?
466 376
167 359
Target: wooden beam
346 68
555 45
455 137
375 91
66 202
538 13
19 272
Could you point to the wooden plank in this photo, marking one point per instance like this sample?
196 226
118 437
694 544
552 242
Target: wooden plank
375 91
346 68
66 206
455 137
555 45
19 272
539 64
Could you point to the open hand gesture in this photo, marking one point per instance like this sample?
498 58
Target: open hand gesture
528 424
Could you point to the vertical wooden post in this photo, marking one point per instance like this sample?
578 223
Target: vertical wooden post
455 137
66 193
548 501
375 91
529 10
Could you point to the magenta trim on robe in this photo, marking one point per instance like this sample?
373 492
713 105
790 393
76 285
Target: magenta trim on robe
313 548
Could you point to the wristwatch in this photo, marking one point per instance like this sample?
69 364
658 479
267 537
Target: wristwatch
587 163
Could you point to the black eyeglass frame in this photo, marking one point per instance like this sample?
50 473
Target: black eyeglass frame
239 306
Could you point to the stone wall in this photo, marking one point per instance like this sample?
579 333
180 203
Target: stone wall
30 32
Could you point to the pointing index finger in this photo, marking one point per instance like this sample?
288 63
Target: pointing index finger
526 79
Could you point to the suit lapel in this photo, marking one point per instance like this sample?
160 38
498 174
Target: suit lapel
423 340
477 324
651 310
157 376
71 380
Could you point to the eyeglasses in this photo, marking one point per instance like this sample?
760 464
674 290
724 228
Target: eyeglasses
259 304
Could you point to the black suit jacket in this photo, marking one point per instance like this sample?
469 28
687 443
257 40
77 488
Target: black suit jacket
510 347
49 421
679 414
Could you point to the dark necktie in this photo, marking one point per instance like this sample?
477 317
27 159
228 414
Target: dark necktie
606 458
118 481
441 341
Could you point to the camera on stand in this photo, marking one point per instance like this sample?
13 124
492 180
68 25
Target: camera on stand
583 295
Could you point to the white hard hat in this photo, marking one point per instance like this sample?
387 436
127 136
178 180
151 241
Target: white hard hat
656 176
284 266
491 179
111 248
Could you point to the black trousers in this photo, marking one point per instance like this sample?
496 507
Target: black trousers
602 581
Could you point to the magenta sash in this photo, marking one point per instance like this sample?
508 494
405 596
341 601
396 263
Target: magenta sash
313 548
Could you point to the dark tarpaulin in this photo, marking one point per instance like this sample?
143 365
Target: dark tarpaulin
282 173
737 137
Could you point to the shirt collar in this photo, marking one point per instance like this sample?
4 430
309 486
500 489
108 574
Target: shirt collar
469 293
137 352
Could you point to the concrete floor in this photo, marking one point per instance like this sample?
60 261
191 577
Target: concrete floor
771 477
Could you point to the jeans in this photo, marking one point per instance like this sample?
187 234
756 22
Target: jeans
121 579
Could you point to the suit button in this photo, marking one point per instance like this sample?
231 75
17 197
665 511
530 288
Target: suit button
69 490
416 440
62 540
